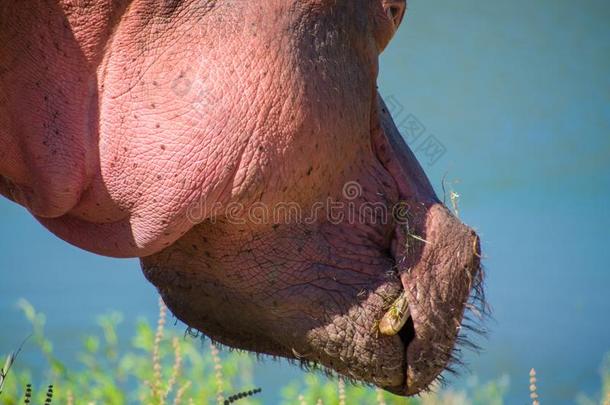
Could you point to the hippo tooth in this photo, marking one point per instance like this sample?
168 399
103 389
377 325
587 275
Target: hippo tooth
395 317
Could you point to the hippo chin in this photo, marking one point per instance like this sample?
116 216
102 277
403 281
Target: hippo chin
241 150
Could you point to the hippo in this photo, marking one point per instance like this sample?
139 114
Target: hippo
242 151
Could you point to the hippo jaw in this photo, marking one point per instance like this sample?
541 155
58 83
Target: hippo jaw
319 292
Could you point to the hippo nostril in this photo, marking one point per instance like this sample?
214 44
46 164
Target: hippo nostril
394 14
12 191
395 9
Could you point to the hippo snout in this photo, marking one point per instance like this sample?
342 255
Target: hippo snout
372 283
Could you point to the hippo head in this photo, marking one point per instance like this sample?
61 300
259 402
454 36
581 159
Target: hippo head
241 150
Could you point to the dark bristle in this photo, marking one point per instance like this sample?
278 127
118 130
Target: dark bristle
477 312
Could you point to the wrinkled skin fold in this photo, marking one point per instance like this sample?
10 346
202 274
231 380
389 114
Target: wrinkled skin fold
241 150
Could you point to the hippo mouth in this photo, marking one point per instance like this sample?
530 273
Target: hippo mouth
417 316
387 313
413 322
436 289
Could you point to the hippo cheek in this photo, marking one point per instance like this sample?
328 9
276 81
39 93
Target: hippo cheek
195 104
374 300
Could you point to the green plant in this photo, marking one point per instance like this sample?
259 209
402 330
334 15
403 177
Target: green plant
10 359
533 388
315 389
604 395
159 367
163 367
4 370
28 395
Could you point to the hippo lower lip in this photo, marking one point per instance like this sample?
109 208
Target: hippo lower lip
436 309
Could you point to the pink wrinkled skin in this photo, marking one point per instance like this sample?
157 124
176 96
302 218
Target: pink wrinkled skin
128 128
